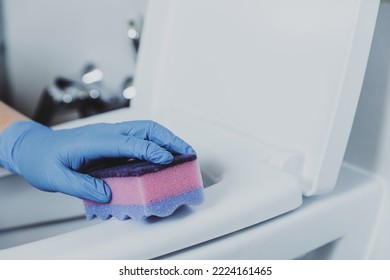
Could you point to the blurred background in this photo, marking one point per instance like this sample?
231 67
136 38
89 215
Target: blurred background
61 60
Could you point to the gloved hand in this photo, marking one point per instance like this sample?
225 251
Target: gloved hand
50 160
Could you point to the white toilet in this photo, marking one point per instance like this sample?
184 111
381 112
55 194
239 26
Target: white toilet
266 92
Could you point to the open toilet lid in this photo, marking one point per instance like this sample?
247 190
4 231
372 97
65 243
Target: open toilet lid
284 72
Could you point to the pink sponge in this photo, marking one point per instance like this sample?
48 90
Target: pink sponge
142 189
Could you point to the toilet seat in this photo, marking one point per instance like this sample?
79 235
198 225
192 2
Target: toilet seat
213 217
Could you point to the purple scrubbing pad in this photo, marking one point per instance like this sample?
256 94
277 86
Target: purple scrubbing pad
141 189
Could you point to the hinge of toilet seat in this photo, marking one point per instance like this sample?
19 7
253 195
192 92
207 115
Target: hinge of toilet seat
290 162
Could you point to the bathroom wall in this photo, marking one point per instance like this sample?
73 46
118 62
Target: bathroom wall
369 145
46 39
3 79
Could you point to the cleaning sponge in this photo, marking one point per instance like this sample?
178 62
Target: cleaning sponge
141 189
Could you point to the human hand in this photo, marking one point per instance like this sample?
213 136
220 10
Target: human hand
51 160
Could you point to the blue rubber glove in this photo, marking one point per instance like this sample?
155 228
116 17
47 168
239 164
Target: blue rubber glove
50 160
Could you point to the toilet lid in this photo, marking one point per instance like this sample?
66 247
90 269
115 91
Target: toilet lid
283 72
